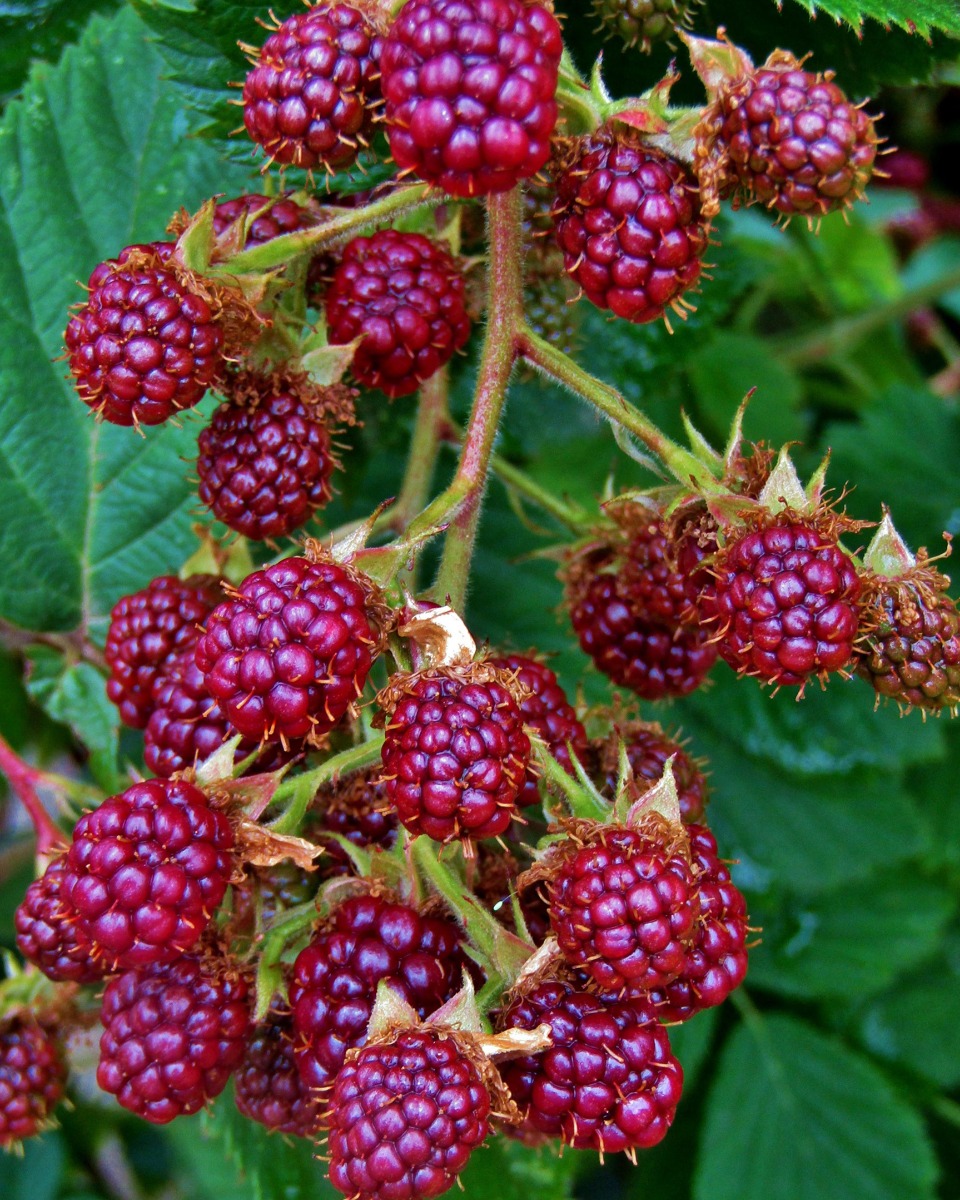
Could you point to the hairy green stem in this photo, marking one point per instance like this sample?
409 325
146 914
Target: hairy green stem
299 790
504 321
428 433
686 468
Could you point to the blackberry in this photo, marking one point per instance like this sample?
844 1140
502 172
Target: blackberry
267 1086
32 1078
648 749
48 934
335 978
470 87
403 295
275 215
172 1035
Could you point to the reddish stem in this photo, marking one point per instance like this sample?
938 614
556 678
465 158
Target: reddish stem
23 779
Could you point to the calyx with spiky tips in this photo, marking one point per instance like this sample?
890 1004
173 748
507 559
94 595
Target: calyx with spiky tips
640 23
455 754
32 1078
910 650
648 749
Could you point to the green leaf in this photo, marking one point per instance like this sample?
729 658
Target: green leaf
509 1170
915 16
917 1023
33 29
86 512
852 941
794 1115
37 1175
74 694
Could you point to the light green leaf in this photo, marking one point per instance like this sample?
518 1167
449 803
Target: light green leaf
794 1115
509 1170
915 16
74 694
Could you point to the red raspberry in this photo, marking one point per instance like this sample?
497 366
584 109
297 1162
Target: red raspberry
455 756
470 91
650 659
143 345
609 1081
267 1085
356 809
290 652
335 978
624 908
642 22
548 712
32 1078
276 215
405 1116
648 749
146 870
784 603
309 99
48 935
717 960
265 469
912 649
147 630
172 1034
404 296
795 141
628 222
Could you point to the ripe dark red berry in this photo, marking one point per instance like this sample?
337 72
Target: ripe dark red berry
659 586
470 91
648 749
309 99
628 222
609 1081
267 1086
144 344
650 659
624 907
48 935
455 755
172 1034
290 652
335 978
546 709
794 140
32 1077
911 651
642 22
265 467
783 603
403 295
146 870
275 215
405 1116
717 959
149 628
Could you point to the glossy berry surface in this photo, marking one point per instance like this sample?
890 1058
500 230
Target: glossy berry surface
290 652
335 978
267 1086
913 652
455 755
405 1116
48 935
309 98
403 296
717 959
624 908
609 1082
651 659
147 630
641 22
275 215
648 749
146 870
265 469
469 87
784 604
628 222
546 709
172 1035
795 141
143 345
32 1078
659 587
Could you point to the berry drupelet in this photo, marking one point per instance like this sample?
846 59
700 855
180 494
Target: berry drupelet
267 1085
642 22
264 217
32 1078
48 934
404 296
469 88
144 344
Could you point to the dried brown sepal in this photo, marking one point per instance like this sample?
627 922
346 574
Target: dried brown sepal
334 405
261 848
469 672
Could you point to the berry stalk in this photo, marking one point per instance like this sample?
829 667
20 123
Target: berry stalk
431 426
301 789
23 779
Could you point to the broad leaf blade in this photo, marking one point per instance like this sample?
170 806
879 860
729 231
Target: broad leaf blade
915 16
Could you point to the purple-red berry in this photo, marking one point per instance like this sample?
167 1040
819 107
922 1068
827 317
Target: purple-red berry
48 933
267 1086
263 217
32 1078
470 87
648 749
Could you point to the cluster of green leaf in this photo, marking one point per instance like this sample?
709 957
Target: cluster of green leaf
833 1075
